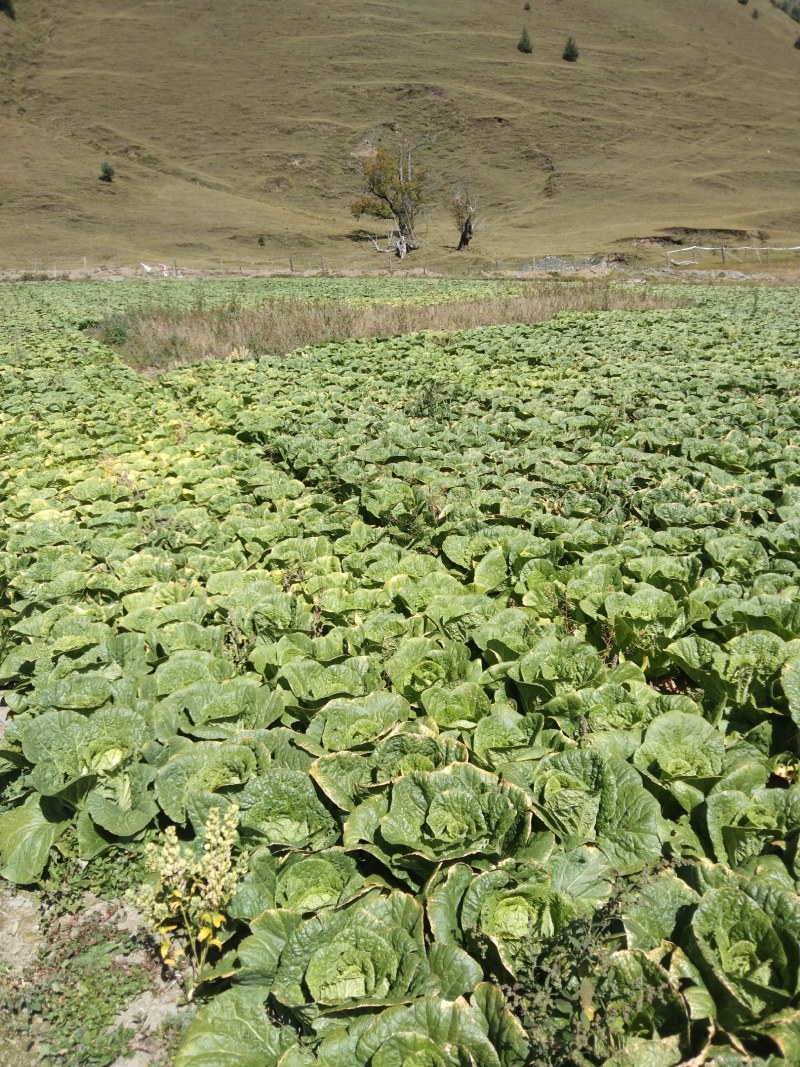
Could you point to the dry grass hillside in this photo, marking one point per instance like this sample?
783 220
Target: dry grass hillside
226 121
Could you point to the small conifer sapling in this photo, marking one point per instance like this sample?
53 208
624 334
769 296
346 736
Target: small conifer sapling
571 52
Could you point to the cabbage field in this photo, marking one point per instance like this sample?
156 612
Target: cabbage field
488 642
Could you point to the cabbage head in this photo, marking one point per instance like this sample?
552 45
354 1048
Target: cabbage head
746 946
427 817
371 952
65 746
282 808
434 1032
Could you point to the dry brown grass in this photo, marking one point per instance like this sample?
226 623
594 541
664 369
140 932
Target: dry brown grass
229 122
160 339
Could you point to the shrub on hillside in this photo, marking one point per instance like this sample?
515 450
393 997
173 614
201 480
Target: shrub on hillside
7 8
106 171
789 7
524 44
570 53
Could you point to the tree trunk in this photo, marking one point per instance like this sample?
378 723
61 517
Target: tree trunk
467 233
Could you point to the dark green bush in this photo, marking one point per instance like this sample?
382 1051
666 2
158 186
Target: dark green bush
106 171
789 7
524 44
559 977
114 331
570 53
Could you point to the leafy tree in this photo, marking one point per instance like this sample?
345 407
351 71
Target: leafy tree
394 188
571 52
524 44
7 8
106 171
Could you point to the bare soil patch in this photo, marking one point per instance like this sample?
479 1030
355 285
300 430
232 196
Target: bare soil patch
83 980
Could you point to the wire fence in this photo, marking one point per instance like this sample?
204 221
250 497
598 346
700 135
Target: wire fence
57 268
722 256
694 255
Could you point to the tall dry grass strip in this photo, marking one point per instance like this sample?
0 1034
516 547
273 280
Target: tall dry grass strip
161 339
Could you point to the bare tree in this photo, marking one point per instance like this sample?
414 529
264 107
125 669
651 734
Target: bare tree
464 208
394 188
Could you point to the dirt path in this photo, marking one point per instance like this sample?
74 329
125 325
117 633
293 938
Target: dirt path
19 944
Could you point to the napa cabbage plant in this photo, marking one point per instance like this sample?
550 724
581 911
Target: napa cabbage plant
421 663
449 1033
746 946
325 879
513 906
585 798
281 806
297 882
743 825
554 666
426 817
346 777
682 755
199 768
357 722
369 953
65 746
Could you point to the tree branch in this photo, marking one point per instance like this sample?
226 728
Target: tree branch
397 244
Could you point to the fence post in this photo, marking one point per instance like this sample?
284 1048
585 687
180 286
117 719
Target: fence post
722 250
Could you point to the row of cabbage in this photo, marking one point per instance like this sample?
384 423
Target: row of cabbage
473 629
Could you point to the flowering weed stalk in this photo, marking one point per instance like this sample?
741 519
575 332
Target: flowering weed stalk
186 901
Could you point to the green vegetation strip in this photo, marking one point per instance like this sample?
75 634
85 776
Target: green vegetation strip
488 644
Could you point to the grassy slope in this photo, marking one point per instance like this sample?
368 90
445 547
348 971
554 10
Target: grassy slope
226 120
